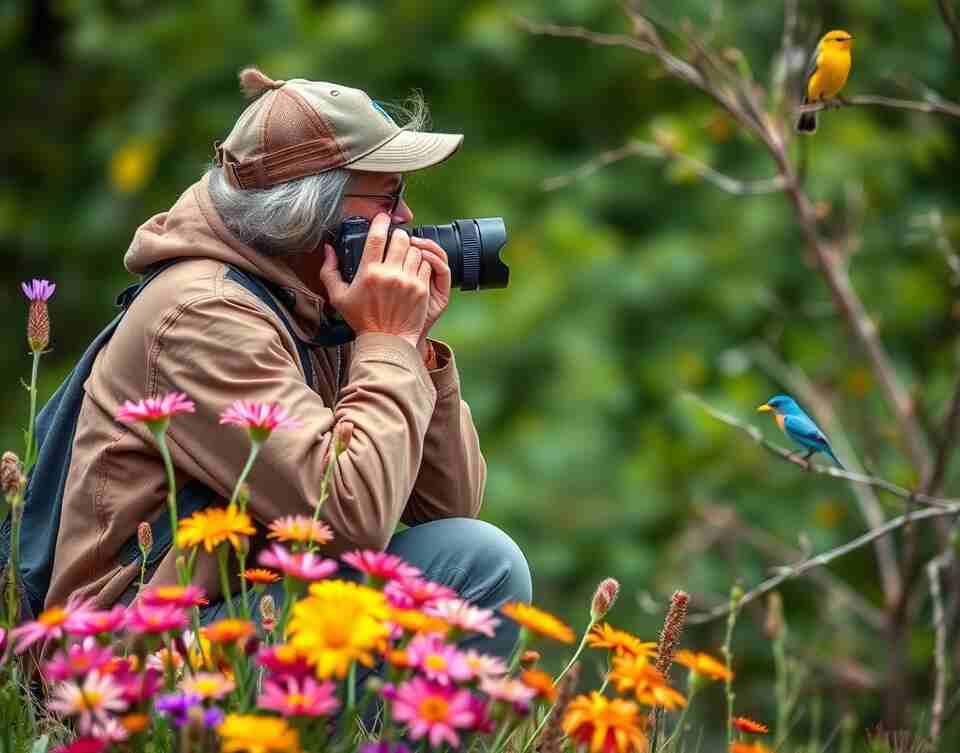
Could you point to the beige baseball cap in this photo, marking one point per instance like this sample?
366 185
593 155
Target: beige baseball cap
298 127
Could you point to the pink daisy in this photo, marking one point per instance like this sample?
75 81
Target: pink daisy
439 661
83 745
380 564
416 593
92 702
509 690
94 622
38 290
284 660
303 565
142 618
79 659
260 419
461 615
50 625
304 697
484 724
301 529
110 730
484 665
178 596
138 687
432 710
155 412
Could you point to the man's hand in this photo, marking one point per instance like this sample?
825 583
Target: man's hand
390 293
434 255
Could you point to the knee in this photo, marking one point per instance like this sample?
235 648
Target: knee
501 571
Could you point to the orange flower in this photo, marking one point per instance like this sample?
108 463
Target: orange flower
300 528
260 576
749 748
606 726
620 641
415 621
134 723
745 724
214 526
540 681
538 621
228 631
398 658
636 674
703 664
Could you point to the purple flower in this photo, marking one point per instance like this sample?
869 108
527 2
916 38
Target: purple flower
212 717
177 706
38 290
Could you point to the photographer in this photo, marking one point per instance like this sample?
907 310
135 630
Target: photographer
302 157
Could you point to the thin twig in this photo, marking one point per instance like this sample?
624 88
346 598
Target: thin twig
794 571
754 433
942 107
655 151
940 644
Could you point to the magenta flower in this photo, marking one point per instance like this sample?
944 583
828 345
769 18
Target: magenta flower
83 745
50 625
92 702
304 697
380 564
178 596
416 593
439 661
155 412
142 618
509 690
431 710
79 659
94 622
260 419
304 565
38 290
138 687
461 615
284 660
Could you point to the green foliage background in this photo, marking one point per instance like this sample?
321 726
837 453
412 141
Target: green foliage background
627 288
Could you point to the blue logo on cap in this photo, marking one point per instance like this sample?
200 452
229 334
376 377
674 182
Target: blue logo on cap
378 108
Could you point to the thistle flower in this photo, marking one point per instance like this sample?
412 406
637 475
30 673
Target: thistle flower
603 598
432 711
38 292
155 412
11 477
290 696
91 702
260 419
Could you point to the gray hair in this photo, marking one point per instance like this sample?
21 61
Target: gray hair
293 216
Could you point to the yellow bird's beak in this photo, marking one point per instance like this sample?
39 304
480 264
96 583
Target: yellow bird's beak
764 408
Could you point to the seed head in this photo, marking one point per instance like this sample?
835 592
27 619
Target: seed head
11 478
145 537
603 598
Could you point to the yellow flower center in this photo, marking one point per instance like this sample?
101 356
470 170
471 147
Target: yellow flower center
91 699
53 617
336 636
434 709
296 699
436 663
169 592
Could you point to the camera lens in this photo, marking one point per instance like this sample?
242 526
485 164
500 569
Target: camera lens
473 251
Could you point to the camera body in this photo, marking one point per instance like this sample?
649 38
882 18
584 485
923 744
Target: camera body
472 245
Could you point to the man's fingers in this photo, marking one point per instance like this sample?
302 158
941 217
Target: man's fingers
376 240
426 244
411 263
330 274
397 250
441 269
425 271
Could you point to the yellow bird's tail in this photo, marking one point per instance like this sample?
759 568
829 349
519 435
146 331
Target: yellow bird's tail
807 122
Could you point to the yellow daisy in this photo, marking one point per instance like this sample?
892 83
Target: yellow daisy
538 621
214 526
258 734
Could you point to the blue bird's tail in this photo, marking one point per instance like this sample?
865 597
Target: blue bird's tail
828 450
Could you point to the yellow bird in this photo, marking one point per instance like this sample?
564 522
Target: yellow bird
826 74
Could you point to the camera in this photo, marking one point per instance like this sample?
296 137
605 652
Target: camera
472 245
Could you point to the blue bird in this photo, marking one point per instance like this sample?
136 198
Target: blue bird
799 427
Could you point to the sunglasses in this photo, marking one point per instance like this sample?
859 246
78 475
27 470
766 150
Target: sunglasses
394 198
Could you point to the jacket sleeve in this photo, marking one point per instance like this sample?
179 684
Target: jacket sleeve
220 349
453 472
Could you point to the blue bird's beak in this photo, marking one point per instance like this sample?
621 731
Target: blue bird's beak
764 408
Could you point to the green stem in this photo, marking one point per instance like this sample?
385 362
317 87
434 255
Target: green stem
13 602
735 596
29 460
678 730
324 493
781 688
160 435
502 734
223 553
254 449
352 686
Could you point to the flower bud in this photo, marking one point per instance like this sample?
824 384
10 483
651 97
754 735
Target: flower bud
342 435
11 479
38 326
529 658
145 538
603 598
774 626
268 613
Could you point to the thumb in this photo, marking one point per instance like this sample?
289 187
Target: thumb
330 274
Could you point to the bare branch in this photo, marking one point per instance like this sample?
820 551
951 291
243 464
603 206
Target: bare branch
656 151
859 478
794 571
940 646
948 440
942 107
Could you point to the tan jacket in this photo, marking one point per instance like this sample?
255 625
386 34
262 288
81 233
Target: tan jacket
414 455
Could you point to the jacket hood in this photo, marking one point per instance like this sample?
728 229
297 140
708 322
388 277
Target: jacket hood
192 228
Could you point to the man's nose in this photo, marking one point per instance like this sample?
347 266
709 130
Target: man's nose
402 215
